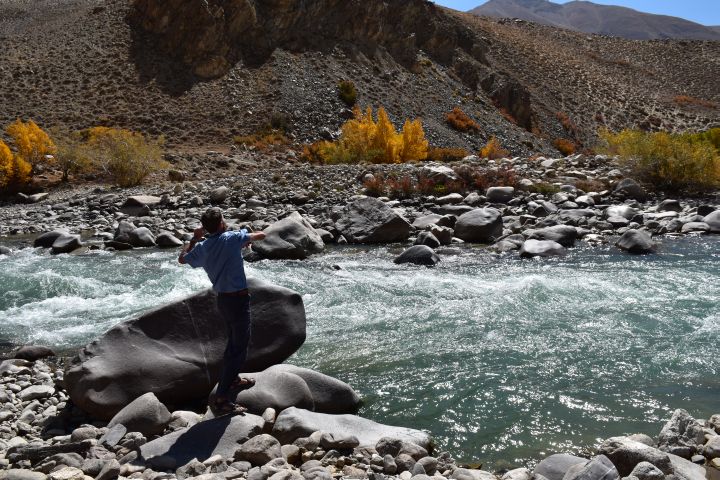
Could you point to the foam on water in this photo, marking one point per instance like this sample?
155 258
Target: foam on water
502 360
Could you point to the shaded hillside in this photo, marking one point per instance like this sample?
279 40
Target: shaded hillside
80 63
601 19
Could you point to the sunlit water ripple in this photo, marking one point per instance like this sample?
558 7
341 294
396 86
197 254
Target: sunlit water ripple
503 360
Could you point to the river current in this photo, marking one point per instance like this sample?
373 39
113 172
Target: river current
503 360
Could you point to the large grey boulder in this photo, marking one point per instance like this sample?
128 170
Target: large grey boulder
145 414
419 255
33 352
123 230
541 248
47 239
625 454
565 235
283 386
599 468
629 188
139 204
219 436
623 211
168 240
368 220
176 351
294 423
219 195
290 238
66 243
682 435
647 471
427 239
482 225
556 466
636 241
141 237
713 221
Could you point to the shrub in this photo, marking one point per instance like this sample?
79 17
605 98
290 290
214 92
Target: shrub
126 157
591 185
668 161
460 121
375 186
347 92
567 124
32 145
266 140
566 147
364 139
493 150
439 154
71 154
547 189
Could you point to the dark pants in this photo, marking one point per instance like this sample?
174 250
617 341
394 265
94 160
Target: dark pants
236 313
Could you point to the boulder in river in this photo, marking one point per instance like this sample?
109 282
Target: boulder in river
291 238
168 240
541 248
141 237
427 239
419 255
368 220
625 454
682 435
176 351
283 386
47 239
66 243
294 423
556 466
565 235
33 352
636 241
482 225
713 221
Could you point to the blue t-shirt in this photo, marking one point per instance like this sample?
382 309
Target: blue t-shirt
221 257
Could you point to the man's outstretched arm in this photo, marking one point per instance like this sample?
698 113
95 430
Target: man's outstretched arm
256 237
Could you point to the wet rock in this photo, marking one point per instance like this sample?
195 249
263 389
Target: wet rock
471 474
418 255
556 466
368 220
290 238
168 240
259 450
541 248
682 435
636 241
46 240
669 206
145 414
427 239
122 232
33 352
565 235
176 351
35 392
141 237
66 243
695 227
294 423
482 225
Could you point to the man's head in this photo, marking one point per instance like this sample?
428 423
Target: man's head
212 220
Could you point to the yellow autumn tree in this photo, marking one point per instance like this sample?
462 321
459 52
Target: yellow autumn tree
366 139
32 145
493 150
6 165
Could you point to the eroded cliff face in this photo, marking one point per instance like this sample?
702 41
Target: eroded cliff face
210 36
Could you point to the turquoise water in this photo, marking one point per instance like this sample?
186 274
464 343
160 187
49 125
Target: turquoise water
502 360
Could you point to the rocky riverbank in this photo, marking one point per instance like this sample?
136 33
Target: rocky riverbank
551 204
44 436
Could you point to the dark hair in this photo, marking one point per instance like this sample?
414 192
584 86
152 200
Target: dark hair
211 219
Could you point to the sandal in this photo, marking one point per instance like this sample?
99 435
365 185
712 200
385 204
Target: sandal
242 383
226 407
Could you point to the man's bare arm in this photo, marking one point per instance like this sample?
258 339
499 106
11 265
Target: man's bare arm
257 236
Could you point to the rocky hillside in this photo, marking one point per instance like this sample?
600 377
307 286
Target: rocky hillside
590 17
200 72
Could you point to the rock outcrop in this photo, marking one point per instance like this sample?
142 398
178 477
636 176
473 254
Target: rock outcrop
176 351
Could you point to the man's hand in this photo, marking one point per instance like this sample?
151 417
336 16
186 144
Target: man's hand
199 233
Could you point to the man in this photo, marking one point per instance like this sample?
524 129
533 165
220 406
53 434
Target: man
221 257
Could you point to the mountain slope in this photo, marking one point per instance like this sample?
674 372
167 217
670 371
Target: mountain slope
601 19
80 63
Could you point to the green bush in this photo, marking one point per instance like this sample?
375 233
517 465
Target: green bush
347 92
672 162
